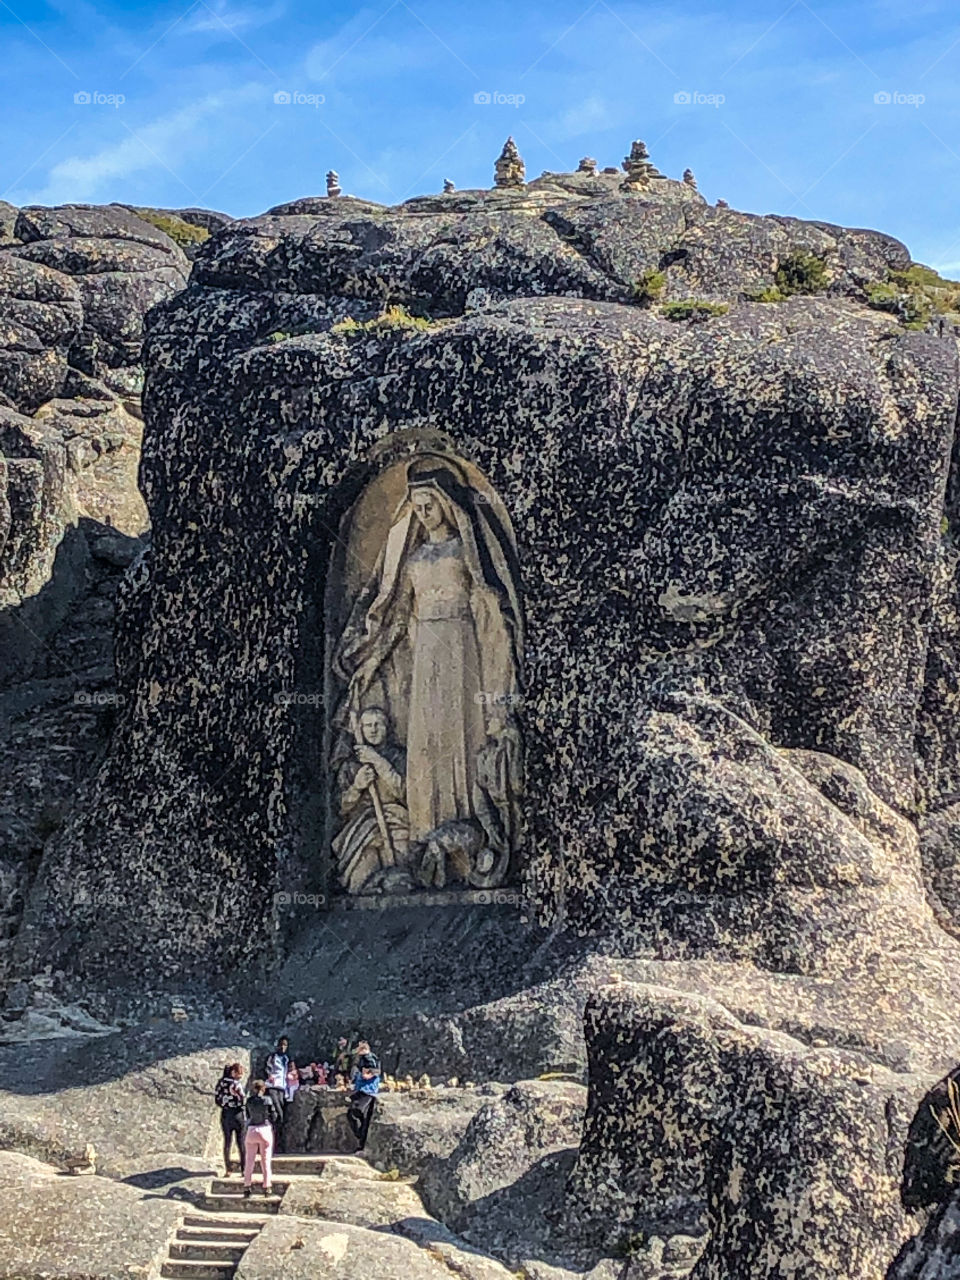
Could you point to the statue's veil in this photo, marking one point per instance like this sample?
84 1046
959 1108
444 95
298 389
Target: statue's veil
376 632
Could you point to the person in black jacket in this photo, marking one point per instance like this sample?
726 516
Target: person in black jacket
229 1098
261 1117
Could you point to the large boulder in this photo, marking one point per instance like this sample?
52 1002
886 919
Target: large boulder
344 1195
303 1250
410 1130
86 1228
736 565
133 1093
766 1148
414 1131
506 1175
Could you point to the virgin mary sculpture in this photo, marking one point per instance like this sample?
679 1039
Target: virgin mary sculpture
433 642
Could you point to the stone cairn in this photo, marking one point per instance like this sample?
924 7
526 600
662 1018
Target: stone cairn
588 165
448 187
509 171
638 168
333 184
689 179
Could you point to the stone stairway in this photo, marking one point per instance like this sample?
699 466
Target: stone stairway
210 1241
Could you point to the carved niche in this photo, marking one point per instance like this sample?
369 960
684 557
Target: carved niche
425 650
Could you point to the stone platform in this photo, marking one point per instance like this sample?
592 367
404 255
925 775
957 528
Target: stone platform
505 897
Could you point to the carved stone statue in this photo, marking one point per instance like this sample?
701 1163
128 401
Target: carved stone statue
509 170
371 784
432 647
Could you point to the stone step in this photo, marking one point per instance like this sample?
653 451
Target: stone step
207 1250
299 1164
238 1203
226 1187
232 1234
184 1269
223 1222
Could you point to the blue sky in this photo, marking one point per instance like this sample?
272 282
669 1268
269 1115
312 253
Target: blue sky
782 117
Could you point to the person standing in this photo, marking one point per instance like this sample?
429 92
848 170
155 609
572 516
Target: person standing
343 1058
229 1098
277 1066
261 1116
363 1100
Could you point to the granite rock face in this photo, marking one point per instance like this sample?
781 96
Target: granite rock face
93 1226
763 1147
75 284
935 1253
742 515
736 549
132 1094
318 1250
507 1173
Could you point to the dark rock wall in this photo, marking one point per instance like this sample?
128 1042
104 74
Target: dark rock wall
75 283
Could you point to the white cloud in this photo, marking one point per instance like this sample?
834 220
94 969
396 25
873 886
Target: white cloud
224 18
591 114
363 47
158 145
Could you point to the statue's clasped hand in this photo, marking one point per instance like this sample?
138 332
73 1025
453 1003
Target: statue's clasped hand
366 776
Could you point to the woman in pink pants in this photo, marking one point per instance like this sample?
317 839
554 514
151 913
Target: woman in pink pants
261 1114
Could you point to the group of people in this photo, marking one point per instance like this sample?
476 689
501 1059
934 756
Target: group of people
253 1120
